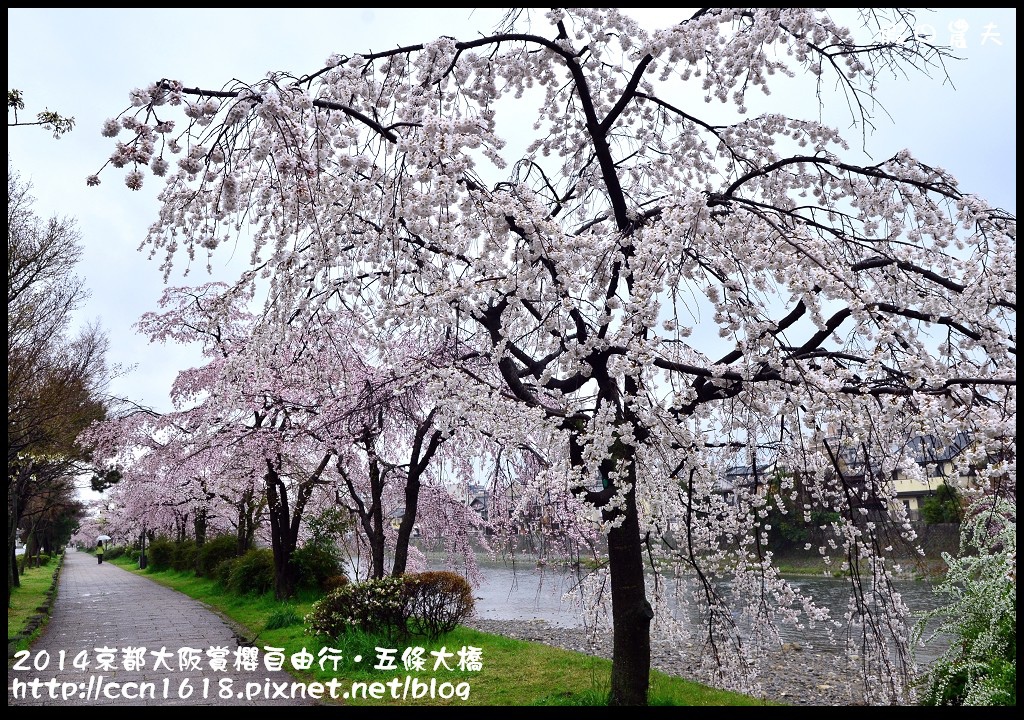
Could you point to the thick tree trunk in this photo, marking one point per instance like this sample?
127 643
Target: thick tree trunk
375 526
284 524
199 524
631 612
285 575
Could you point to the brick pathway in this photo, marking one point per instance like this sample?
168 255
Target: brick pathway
105 606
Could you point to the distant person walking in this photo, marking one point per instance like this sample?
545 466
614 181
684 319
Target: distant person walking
99 552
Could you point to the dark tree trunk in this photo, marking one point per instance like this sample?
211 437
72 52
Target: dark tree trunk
285 575
247 521
631 612
284 524
199 524
371 516
412 495
241 535
418 461
374 524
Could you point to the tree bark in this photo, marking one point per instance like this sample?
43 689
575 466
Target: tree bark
631 612
285 575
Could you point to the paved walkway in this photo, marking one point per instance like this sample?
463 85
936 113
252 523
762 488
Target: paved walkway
103 610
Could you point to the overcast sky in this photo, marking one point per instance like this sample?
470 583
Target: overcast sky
83 63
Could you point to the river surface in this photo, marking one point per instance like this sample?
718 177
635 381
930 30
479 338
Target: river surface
527 592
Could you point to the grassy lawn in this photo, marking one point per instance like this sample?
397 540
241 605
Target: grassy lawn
26 599
511 672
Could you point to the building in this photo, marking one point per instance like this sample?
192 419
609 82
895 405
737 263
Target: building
859 468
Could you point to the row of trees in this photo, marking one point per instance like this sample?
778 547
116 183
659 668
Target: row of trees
653 291
267 435
56 379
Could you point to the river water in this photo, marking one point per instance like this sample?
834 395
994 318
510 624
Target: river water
527 592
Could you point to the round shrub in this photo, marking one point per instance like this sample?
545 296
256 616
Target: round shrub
375 606
316 562
438 602
159 554
214 552
253 572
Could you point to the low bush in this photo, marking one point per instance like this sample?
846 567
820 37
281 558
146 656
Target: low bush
379 605
438 602
316 562
160 554
429 603
114 551
222 573
334 582
40 560
252 573
214 552
185 556
285 616
979 620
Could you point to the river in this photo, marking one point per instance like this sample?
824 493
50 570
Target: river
527 592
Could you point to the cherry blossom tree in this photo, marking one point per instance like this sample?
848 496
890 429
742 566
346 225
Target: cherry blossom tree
311 407
396 455
667 282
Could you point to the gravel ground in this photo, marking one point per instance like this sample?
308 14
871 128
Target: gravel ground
794 676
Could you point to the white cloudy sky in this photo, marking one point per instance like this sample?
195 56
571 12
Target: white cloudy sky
83 62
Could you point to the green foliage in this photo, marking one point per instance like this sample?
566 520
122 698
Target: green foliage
438 602
944 506
979 667
252 573
794 530
26 561
185 556
429 604
316 562
102 480
222 573
378 605
47 118
160 554
214 552
284 616
329 525
113 551
790 528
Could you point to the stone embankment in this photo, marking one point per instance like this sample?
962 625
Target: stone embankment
795 676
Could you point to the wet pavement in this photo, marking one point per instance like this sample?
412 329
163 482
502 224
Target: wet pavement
116 638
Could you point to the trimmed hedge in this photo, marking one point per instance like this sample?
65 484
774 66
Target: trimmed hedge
429 603
438 602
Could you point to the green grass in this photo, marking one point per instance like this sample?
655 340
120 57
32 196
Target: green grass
512 672
25 601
